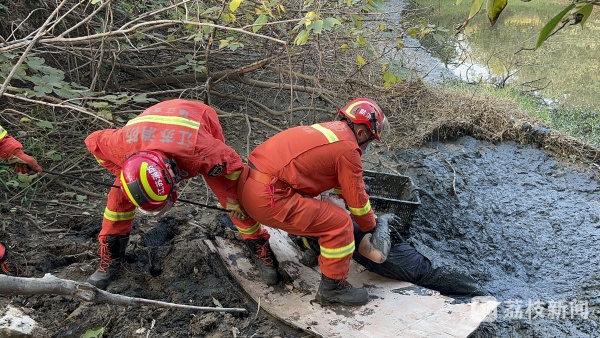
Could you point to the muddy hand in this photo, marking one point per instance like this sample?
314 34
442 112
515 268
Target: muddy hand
380 238
235 209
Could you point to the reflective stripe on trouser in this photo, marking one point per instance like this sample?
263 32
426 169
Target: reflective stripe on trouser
303 216
118 214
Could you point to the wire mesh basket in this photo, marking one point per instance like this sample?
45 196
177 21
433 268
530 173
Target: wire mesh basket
390 193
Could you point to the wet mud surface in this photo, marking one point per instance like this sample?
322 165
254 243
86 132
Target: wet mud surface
524 224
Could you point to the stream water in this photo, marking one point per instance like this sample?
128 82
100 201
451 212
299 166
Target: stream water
562 71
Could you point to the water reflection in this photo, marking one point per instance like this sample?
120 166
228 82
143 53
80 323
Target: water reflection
565 69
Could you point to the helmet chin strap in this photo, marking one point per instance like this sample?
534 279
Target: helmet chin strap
351 125
363 142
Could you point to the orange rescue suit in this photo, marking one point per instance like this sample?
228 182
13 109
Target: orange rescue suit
8 145
185 131
285 172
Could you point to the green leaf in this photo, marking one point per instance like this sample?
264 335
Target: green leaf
44 124
494 8
95 1
96 332
233 5
235 45
330 23
217 303
80 198
99 104
301 38
182 67
357 20
549 27
228 17
458 2
143 99
316 26
586 11
413 32
389 79
65 92
344 47
360 61
26 178
35 62
262 19
475 8
399 44
42 90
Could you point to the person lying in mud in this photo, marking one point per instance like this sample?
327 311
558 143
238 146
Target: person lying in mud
11 150
407 260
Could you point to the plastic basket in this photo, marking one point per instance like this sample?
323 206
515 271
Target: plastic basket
391 193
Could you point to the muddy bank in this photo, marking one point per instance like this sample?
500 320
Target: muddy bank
525 224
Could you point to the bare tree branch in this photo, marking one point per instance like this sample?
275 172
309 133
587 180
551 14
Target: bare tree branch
50 285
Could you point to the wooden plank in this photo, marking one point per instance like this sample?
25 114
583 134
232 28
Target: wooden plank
395 308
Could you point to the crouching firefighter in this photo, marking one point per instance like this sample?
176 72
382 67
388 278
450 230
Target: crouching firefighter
288 169
171 141
11 150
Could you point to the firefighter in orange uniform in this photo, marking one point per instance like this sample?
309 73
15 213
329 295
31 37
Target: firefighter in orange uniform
170 141
286 171
11 150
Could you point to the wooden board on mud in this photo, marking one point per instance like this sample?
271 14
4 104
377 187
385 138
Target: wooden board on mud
395 308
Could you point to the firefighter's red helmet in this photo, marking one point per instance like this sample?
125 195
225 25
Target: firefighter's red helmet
365 111
149 182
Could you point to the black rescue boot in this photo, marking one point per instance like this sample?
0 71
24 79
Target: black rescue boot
6 266
112 254
263 259
340 291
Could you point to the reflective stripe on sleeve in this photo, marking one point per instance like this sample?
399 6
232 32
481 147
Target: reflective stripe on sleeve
234 176
99 160
361 211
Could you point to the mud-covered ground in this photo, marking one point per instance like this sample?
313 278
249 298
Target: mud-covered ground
525 224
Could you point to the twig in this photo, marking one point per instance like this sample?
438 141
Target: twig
68 106
136 29
50 285
257 309
454 177
248 135
255 119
